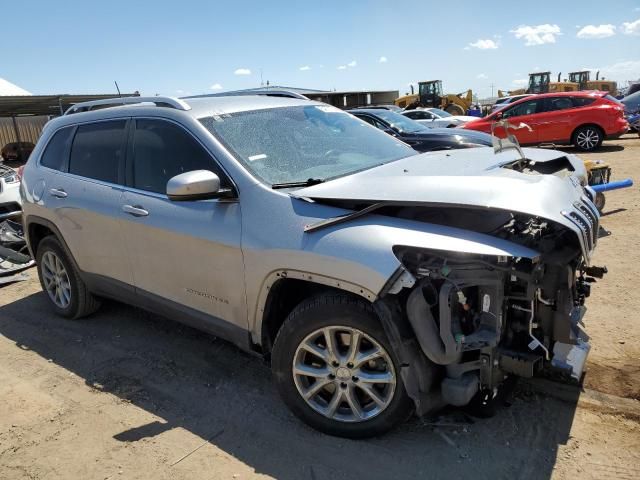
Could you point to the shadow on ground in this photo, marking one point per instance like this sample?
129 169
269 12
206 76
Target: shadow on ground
605 148
208 387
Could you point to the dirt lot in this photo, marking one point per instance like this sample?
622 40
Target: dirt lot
126 394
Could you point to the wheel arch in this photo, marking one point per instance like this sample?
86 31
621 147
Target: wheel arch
588 124
38 228
283 290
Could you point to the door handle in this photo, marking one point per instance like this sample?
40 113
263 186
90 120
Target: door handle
135 210
58 192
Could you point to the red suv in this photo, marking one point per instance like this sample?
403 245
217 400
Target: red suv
583 119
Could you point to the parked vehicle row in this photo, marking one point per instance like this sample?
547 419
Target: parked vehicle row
419 137
378 281
437 118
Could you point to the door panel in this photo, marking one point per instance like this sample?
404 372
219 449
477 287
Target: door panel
85 200
525 112
185 251
556 120
88 219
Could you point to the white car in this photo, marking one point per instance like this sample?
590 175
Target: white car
437 118
10 203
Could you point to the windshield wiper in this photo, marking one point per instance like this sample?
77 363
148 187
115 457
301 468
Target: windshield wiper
304 183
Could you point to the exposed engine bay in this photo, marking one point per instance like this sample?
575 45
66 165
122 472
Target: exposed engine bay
482 319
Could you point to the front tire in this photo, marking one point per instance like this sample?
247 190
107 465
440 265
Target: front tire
454 109
588 138
61 282
336 371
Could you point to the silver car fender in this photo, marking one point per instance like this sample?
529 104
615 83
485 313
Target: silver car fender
356 256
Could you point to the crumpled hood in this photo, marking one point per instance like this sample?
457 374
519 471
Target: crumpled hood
471 177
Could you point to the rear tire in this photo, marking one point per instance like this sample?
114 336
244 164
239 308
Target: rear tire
588 138
61 282
600 201
337 402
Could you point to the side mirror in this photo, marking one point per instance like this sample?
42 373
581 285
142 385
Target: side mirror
195 185
390 131
498 116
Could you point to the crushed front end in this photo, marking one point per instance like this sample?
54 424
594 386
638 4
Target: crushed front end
482 319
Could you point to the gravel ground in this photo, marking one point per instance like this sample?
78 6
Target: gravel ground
126 394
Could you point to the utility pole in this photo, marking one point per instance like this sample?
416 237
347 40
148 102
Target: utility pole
492 87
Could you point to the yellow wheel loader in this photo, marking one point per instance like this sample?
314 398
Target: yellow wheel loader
540 82
583 79
430 95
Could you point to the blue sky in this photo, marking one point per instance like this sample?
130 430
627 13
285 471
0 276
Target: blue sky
198 46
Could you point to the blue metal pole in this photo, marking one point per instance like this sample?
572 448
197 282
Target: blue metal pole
605 187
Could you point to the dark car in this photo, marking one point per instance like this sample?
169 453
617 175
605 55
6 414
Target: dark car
421 138
17 151
393 108
631 103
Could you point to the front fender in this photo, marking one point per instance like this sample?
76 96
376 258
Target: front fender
356 256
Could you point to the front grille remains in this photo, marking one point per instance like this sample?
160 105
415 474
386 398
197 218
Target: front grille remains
585 217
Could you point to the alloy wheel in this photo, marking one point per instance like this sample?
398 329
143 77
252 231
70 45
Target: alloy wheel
344 374
56 280
588 139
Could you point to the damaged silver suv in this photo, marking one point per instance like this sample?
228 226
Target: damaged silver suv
378 281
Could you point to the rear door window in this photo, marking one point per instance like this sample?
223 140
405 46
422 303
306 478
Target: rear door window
528 107
372 121
582 101
98 151
56 152
162 150
558 103
419 115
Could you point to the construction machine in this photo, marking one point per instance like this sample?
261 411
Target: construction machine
540 82
583 79
430 95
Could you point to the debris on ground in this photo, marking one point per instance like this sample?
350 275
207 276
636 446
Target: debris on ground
14 254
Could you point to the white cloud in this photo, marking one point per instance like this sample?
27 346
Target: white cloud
179 92
342 67
242 71
352 63
631 28
597 31
624 70
520 82
216 86
382 60
305 68
537 34
482 76
481 44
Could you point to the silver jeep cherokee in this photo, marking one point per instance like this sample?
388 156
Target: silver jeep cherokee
378 281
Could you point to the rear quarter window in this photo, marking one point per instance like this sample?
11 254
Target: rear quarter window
56 151
582 101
